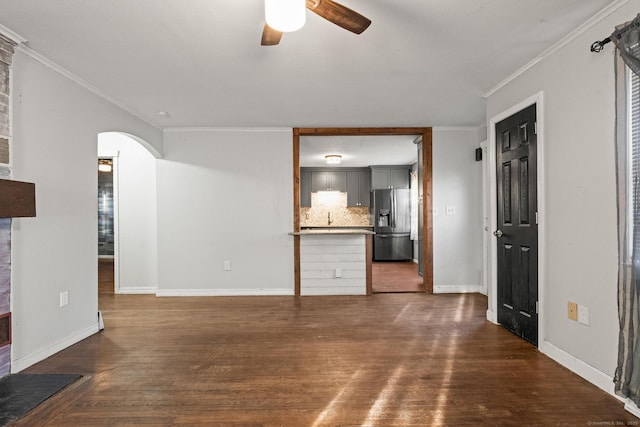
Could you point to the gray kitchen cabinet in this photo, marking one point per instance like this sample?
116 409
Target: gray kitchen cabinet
384 177
328 181
305 188
358 188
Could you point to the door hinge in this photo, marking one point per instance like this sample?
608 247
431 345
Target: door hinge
536 218
535 128
537 307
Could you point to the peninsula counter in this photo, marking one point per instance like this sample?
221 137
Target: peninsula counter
335 261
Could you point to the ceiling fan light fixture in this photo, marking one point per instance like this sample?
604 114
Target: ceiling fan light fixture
333 159
285 15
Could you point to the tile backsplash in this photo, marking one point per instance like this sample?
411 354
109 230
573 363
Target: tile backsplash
335 203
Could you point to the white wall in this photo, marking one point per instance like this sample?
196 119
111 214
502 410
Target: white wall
579 221
225 195
457 239
55 124
135 184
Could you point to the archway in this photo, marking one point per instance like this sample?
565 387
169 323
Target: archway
127 203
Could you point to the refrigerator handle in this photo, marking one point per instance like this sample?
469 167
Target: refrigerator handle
393 209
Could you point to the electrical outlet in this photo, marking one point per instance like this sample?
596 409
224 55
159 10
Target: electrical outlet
64 298
227 266
435 211
572 310
450 210
583 315
338 273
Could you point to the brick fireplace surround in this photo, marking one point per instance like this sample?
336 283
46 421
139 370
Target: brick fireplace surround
6 55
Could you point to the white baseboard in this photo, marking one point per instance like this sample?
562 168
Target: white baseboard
456 289
632 408
222 292
23 363
137 290
319 291
577 366
491 317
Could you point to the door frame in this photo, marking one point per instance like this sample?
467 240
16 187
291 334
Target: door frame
427 189
492 259
116 220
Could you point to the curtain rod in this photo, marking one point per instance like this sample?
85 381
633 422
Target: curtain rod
599 45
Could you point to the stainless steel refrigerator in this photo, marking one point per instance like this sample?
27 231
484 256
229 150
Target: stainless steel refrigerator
392 225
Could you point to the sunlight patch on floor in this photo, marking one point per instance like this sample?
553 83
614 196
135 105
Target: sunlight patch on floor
459 310
402 312
331 407
377 409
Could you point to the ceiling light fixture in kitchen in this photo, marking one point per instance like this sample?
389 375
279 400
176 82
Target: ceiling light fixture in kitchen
333 159
285 15
105 165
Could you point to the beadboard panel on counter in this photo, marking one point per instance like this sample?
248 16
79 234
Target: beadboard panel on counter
333 265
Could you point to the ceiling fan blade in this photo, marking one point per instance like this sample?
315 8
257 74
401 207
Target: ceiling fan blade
270 37
339 15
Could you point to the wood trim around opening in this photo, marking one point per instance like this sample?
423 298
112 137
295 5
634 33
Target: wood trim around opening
296 211
427 185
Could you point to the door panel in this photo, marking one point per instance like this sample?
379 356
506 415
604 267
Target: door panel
518 230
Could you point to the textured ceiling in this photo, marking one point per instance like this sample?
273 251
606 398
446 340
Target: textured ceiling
420 63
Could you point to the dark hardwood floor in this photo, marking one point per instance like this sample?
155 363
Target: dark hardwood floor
403 359
398 276
105 276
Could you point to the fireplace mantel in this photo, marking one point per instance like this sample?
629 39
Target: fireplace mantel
17 199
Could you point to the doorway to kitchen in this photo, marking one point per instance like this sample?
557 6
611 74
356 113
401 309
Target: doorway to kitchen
395 263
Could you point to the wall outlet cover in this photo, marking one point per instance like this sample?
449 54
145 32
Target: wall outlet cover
227 266
64 298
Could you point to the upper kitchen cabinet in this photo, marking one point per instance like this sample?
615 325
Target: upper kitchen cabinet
305 188
358 188
328 181
384 177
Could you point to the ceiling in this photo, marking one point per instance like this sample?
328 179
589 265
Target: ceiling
420 63
359 151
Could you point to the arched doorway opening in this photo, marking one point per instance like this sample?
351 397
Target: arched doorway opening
127 225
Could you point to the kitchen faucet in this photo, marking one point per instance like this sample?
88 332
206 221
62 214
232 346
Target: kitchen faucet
329 218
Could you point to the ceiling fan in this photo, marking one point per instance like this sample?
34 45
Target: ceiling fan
334 12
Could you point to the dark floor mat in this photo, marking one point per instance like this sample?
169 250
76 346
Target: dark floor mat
20 393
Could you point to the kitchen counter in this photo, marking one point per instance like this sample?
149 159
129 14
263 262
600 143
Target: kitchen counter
332 231
334 261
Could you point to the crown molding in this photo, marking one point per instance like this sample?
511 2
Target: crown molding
608 10
12 35
225 129
457 128
24 48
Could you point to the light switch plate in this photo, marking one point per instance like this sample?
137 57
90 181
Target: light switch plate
583 315
450 210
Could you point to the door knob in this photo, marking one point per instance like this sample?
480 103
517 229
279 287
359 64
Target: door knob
498 233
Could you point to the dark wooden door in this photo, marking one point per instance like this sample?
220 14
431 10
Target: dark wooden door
517 232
